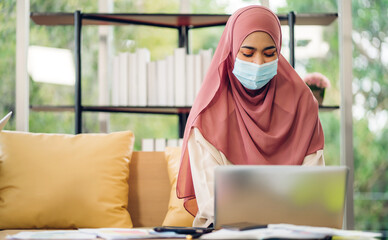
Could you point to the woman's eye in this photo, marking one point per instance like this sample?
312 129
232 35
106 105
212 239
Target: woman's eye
269 54
247 52
247 55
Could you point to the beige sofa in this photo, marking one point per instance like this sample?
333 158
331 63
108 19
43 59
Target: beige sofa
149 190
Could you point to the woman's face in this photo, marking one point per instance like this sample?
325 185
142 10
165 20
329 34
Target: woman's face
258 47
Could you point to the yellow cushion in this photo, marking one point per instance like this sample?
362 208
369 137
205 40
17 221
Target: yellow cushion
64 181
176 215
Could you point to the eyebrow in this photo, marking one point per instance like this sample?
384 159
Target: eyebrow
269 47
248 47
252 48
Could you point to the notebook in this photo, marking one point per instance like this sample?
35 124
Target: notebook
4 120
262 195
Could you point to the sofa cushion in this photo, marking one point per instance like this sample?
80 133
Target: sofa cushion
64 181
177 214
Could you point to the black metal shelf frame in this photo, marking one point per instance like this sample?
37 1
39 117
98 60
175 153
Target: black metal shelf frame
190 21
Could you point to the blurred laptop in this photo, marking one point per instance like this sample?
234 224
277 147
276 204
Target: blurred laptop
262 195
4 120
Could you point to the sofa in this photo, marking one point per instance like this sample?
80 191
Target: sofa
148 179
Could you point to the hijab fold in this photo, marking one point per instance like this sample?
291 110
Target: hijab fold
277 124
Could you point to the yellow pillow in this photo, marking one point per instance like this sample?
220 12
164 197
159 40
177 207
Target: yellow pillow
177 214
64 181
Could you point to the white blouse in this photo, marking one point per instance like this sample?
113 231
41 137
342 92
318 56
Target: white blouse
204 157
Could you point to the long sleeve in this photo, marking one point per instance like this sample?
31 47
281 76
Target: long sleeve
204 157
314 159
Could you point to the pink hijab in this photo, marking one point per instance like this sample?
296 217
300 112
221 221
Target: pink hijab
277 124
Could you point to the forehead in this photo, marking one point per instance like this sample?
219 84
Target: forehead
258 40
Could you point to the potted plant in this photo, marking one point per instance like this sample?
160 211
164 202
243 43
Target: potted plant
317 82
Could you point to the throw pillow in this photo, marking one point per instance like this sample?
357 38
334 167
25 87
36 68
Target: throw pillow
176 214
64 181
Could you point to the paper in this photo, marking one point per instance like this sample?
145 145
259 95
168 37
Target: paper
290 231
130 233
263 233
93 233
62 234
338 233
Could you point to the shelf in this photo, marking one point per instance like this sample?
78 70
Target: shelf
129 109
117 109
160 20
328 108
323 19
167 20
52 108
148 109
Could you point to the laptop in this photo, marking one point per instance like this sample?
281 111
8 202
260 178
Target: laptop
4 120
262 195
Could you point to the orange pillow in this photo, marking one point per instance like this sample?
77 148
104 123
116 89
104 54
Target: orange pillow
64 181
177 214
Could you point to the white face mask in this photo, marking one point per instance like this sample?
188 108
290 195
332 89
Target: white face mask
254 76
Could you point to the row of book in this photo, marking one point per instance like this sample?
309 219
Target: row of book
173 81
159 144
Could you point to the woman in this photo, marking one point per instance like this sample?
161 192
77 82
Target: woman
253 108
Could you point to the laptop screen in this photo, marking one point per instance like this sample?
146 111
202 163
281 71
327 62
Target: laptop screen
261 195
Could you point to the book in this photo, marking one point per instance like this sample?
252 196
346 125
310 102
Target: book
173 81
152 91
170 81
190 84
161 79
142 57
172 142
123 79
206 57
132 80
160 144
115 81
147 144
180 76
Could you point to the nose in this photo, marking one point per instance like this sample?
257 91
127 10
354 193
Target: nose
258 59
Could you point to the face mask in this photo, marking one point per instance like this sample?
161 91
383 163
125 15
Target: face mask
254 76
